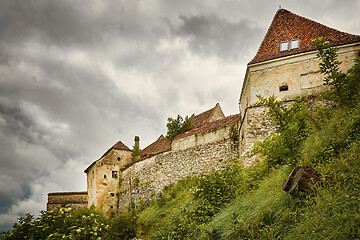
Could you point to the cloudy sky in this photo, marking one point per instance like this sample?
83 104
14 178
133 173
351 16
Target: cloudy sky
76 76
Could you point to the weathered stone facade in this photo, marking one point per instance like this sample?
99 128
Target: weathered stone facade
74 200
146 179
286 74
256 125
103 178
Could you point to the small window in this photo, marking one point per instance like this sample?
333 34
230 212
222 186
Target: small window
111 207
284 88
295 44
101 164
104 176
112 194
118 158
289 45
284 46
114 174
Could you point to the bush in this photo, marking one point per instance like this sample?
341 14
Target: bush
62 223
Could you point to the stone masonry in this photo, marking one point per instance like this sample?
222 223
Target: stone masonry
146 179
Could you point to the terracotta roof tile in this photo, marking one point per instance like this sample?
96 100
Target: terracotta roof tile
222 122
159 146
202 118
118 146
287 26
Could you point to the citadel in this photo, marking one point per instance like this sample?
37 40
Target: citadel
285 65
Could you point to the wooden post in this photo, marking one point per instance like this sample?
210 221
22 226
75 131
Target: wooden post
302 177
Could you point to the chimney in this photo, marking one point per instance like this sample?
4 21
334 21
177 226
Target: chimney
137 141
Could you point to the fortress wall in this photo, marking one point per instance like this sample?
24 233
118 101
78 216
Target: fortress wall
212 135
147 178
75 200
257 125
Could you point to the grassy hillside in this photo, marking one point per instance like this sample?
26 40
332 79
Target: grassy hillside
238 203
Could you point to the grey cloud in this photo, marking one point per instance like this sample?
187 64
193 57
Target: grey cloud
211 35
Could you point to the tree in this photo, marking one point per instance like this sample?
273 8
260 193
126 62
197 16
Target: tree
344 88
177 126
135 153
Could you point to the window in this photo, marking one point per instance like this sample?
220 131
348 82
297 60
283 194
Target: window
114 174
111 207
104 176
284 46
294 44
284 88
101 164
118 158
112 194
289 45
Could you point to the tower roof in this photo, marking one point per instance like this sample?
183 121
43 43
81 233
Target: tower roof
117 146
287 26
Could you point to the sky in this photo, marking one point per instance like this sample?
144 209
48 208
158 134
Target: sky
76 76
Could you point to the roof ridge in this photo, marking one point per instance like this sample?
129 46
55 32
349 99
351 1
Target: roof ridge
119 145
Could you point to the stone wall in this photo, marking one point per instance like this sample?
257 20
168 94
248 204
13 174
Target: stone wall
256 126
146 179
74 200
212 135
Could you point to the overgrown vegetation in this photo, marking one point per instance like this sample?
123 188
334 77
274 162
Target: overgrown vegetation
136 154
177 126
248 203
60 224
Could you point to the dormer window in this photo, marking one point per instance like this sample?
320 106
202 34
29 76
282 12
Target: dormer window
284 46
290 45
294 44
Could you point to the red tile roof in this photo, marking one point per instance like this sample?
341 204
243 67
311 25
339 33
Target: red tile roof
222 122
118 146
202 118
159 146
287 26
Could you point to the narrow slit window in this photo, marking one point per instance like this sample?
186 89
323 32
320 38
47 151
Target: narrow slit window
284 88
